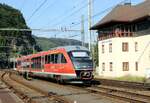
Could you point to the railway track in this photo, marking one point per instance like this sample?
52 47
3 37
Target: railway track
125 84
13 84
116 93
127 95
73 93
131 97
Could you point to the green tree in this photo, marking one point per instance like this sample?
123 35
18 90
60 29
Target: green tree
13 43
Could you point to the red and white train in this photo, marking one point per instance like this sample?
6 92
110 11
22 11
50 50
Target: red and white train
71 64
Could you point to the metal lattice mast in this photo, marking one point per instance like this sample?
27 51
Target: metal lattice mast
89 21
82 30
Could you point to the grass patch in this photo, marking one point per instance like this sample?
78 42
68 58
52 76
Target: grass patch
131 78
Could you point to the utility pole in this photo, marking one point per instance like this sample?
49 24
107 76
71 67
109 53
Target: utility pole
89 21
90 11
82 30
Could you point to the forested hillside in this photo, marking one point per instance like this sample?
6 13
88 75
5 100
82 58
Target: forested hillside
14 43
47 43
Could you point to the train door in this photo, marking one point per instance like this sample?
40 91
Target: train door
60 67
49 63
61 63
55 63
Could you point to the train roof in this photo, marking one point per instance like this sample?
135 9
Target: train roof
71 48
67 49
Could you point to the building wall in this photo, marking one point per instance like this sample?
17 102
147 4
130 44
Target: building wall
117 57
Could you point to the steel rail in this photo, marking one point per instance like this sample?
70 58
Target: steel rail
56 97
21 95
25 97
116 94
121 95
126 84
108 92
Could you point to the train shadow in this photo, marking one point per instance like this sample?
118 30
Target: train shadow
95 82
92 83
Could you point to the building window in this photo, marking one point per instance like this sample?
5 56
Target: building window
102 48
110 48
125 47
125 66
136 66
136 46
103 66
111 66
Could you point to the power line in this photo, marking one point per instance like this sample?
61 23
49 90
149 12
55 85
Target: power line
37 9
62 20
50 6
68 10
41 30
86 18
22 6
101 12
110 8
73 13
74 36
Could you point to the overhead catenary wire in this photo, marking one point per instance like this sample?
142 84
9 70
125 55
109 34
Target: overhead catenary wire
95 15
49 6
101 12
73 13
23 4
70 15
37 9
74 36
41 30
65 12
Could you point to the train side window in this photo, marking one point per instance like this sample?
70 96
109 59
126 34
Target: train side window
46 59
32 63
19 63
56 58
63 59
52 58
59 58
36 63
42 61
27 63
39 62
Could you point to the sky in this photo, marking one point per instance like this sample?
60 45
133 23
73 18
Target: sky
57 14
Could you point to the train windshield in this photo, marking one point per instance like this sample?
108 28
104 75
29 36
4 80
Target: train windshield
80 54
81 60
